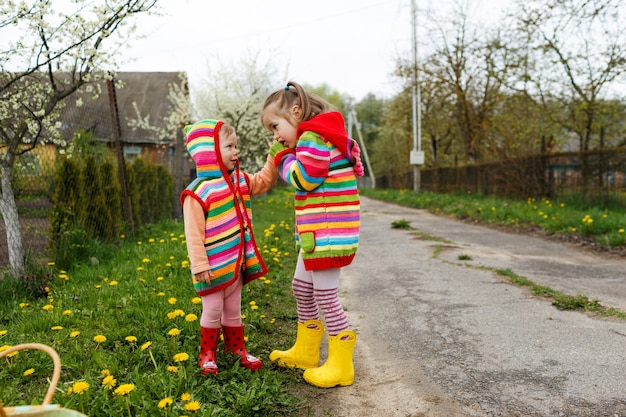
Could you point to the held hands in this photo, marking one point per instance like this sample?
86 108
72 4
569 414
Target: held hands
205 276
277 151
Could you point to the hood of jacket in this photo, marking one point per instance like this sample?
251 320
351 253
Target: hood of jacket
203 144
331 126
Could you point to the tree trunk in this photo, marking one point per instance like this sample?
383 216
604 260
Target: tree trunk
8 208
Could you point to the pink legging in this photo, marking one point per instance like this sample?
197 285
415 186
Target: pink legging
222 307
319 290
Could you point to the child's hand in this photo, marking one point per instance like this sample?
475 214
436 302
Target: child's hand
205 276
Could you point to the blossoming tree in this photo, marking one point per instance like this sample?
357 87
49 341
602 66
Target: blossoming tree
49 50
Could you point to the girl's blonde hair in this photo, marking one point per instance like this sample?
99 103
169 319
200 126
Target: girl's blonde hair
293 94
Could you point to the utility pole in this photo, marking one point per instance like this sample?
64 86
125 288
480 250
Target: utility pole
417 156
352 120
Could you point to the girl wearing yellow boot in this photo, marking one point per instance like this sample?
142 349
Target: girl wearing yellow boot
313 153
223 254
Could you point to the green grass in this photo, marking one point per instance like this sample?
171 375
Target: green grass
132 316
570 217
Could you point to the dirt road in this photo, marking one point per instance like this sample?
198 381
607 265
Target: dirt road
440 335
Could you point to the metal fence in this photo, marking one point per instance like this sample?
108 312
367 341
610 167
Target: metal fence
590 173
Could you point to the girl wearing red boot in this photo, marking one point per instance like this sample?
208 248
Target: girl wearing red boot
222 251
314 154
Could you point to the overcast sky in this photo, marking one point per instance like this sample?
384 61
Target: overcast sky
350 45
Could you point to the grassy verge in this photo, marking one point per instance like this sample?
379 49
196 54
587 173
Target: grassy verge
570 219
552 217
125 325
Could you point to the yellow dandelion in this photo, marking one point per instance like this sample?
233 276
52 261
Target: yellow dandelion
140 243
130 339
145 260
122 236
254 307
48 307
191 317
105 372
23 305
159 279
109 381
67 312
621 230
173 332
184 264
98 286
165 402
29 372
75 333
196 300
124 389
50 263
175 313
161 240
181 357
192 406
172 300
146 345
172 369
99 338
151 240
113 283
64 276
161 294
56 328
3 332
80 386
185 396
140 268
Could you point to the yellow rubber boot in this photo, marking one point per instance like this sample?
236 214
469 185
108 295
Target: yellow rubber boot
338 369
305 353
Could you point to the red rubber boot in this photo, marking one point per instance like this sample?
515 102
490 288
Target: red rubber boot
235 343
209 337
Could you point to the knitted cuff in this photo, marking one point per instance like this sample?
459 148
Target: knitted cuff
278 151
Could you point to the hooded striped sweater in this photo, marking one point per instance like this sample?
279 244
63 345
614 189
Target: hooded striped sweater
225 199
323 170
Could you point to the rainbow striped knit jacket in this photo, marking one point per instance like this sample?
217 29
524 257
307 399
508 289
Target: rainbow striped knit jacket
323 169
225 198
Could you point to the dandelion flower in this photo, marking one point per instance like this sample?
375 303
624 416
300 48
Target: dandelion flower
75 333
172 300
56 328
67 312
621 230
48 307
192 406
172 369
124 389
113 283
80 386
145 260
175 313
50 263
191 317
29 371
109 382
173 332
146 345
3 332
99 338
23 305
130 339
165 402
160 279
196 300
181 357
185 396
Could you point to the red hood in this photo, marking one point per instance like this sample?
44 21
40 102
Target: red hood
331 127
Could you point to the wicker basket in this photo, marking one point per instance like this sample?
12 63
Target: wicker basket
45 409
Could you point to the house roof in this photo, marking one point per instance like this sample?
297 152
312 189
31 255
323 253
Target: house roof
149 90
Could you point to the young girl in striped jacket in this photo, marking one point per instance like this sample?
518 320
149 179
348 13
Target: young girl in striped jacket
313 153
223 254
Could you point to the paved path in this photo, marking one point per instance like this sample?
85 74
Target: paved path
442 337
